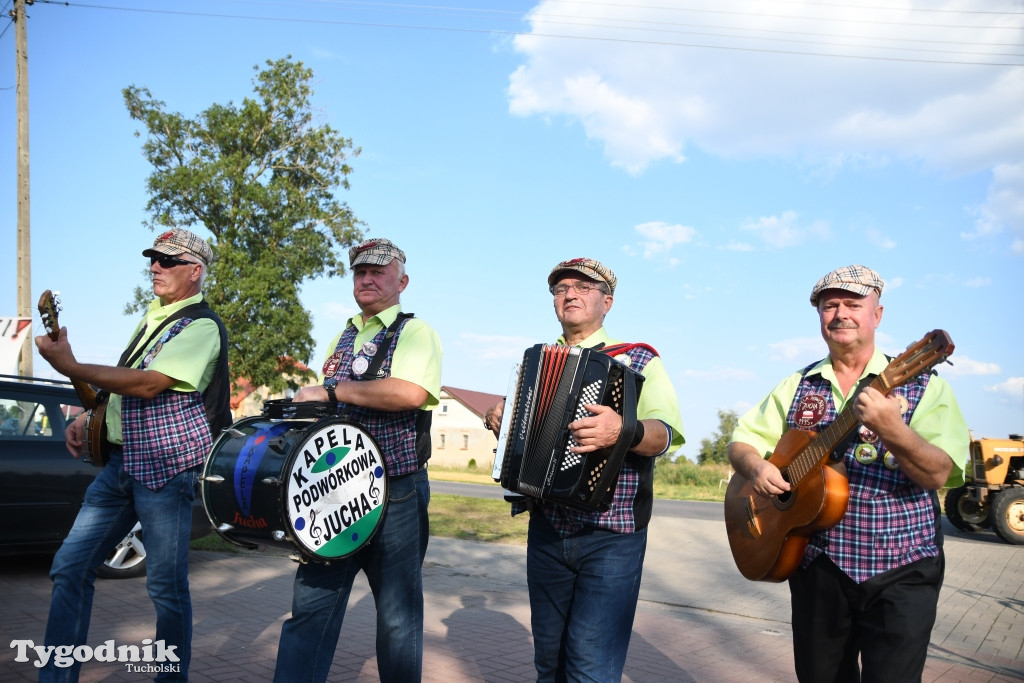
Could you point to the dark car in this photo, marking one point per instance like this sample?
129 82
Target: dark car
42 486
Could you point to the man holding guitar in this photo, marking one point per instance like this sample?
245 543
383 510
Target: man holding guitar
167 393
866 575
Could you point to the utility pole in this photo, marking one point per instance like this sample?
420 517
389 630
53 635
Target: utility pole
24 234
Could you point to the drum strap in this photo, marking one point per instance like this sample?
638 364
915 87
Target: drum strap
382 350
423 417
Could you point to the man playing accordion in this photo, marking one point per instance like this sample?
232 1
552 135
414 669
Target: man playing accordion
584 568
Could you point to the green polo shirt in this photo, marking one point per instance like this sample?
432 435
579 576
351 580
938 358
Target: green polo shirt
658 400
937 418
417 356
190 358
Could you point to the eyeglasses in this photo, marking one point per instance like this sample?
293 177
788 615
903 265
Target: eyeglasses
581 288
167 262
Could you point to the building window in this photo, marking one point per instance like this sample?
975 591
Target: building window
465 442
441 445
444 408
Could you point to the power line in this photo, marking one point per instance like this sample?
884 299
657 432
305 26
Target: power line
808 42
506 15
780 16
563 36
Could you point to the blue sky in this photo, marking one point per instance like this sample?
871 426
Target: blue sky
720 157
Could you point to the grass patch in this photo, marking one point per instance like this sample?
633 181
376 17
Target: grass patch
464 475
488 520
476 519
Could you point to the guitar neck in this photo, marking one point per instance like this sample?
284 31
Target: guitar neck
86 394
821 447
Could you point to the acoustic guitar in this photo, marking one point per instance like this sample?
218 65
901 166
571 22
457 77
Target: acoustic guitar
768 535
95 448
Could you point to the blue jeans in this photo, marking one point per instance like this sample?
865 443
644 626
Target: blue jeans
392 562
113 503
583 594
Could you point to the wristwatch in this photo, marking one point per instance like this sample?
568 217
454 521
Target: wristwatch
329 385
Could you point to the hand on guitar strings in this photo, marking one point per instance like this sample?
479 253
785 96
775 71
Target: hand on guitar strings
74 435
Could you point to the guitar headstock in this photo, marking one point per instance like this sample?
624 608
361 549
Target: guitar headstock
49 308
934 348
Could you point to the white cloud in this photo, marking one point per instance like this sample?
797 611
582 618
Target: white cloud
661 237
978 282
338 311
1013 387
881 241
832 85
779 232
797 349
962 366
1004 206
495 347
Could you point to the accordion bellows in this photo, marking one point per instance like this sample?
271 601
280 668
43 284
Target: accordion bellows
551 386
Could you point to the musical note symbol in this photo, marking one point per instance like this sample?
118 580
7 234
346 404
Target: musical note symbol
374 489
314 531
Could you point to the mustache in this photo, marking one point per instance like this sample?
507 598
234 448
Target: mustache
842 325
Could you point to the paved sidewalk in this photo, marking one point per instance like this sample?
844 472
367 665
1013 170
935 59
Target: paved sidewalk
698 619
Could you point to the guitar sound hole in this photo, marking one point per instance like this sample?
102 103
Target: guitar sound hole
784 497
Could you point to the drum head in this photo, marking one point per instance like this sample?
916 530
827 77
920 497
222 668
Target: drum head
336 490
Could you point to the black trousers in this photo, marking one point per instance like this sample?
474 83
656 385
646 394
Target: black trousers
885 622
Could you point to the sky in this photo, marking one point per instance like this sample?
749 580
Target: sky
719 156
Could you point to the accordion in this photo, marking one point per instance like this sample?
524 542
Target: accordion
534 457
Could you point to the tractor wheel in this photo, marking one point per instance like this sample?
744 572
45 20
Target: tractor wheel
964 514
1008 515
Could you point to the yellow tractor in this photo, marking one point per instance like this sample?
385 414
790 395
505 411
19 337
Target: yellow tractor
994 493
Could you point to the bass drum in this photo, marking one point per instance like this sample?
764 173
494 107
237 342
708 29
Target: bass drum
316 487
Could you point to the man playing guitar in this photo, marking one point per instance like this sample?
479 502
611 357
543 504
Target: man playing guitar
867 588
170 388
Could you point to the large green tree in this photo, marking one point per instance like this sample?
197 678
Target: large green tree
713 449
262 177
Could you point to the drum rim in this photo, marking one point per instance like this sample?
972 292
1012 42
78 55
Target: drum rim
275 409
208 461
283 502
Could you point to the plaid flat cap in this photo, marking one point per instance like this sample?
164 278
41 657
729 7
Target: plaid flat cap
592 269
180 241
378 252
860 280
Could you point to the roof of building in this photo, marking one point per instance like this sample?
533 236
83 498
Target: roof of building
477 401
243 387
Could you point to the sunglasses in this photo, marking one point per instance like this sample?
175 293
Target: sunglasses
167 262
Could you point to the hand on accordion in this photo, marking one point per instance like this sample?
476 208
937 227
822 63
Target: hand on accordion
600 430
492 419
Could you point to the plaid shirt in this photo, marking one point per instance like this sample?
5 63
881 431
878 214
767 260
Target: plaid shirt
634 493
394 431
890 521
167 434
